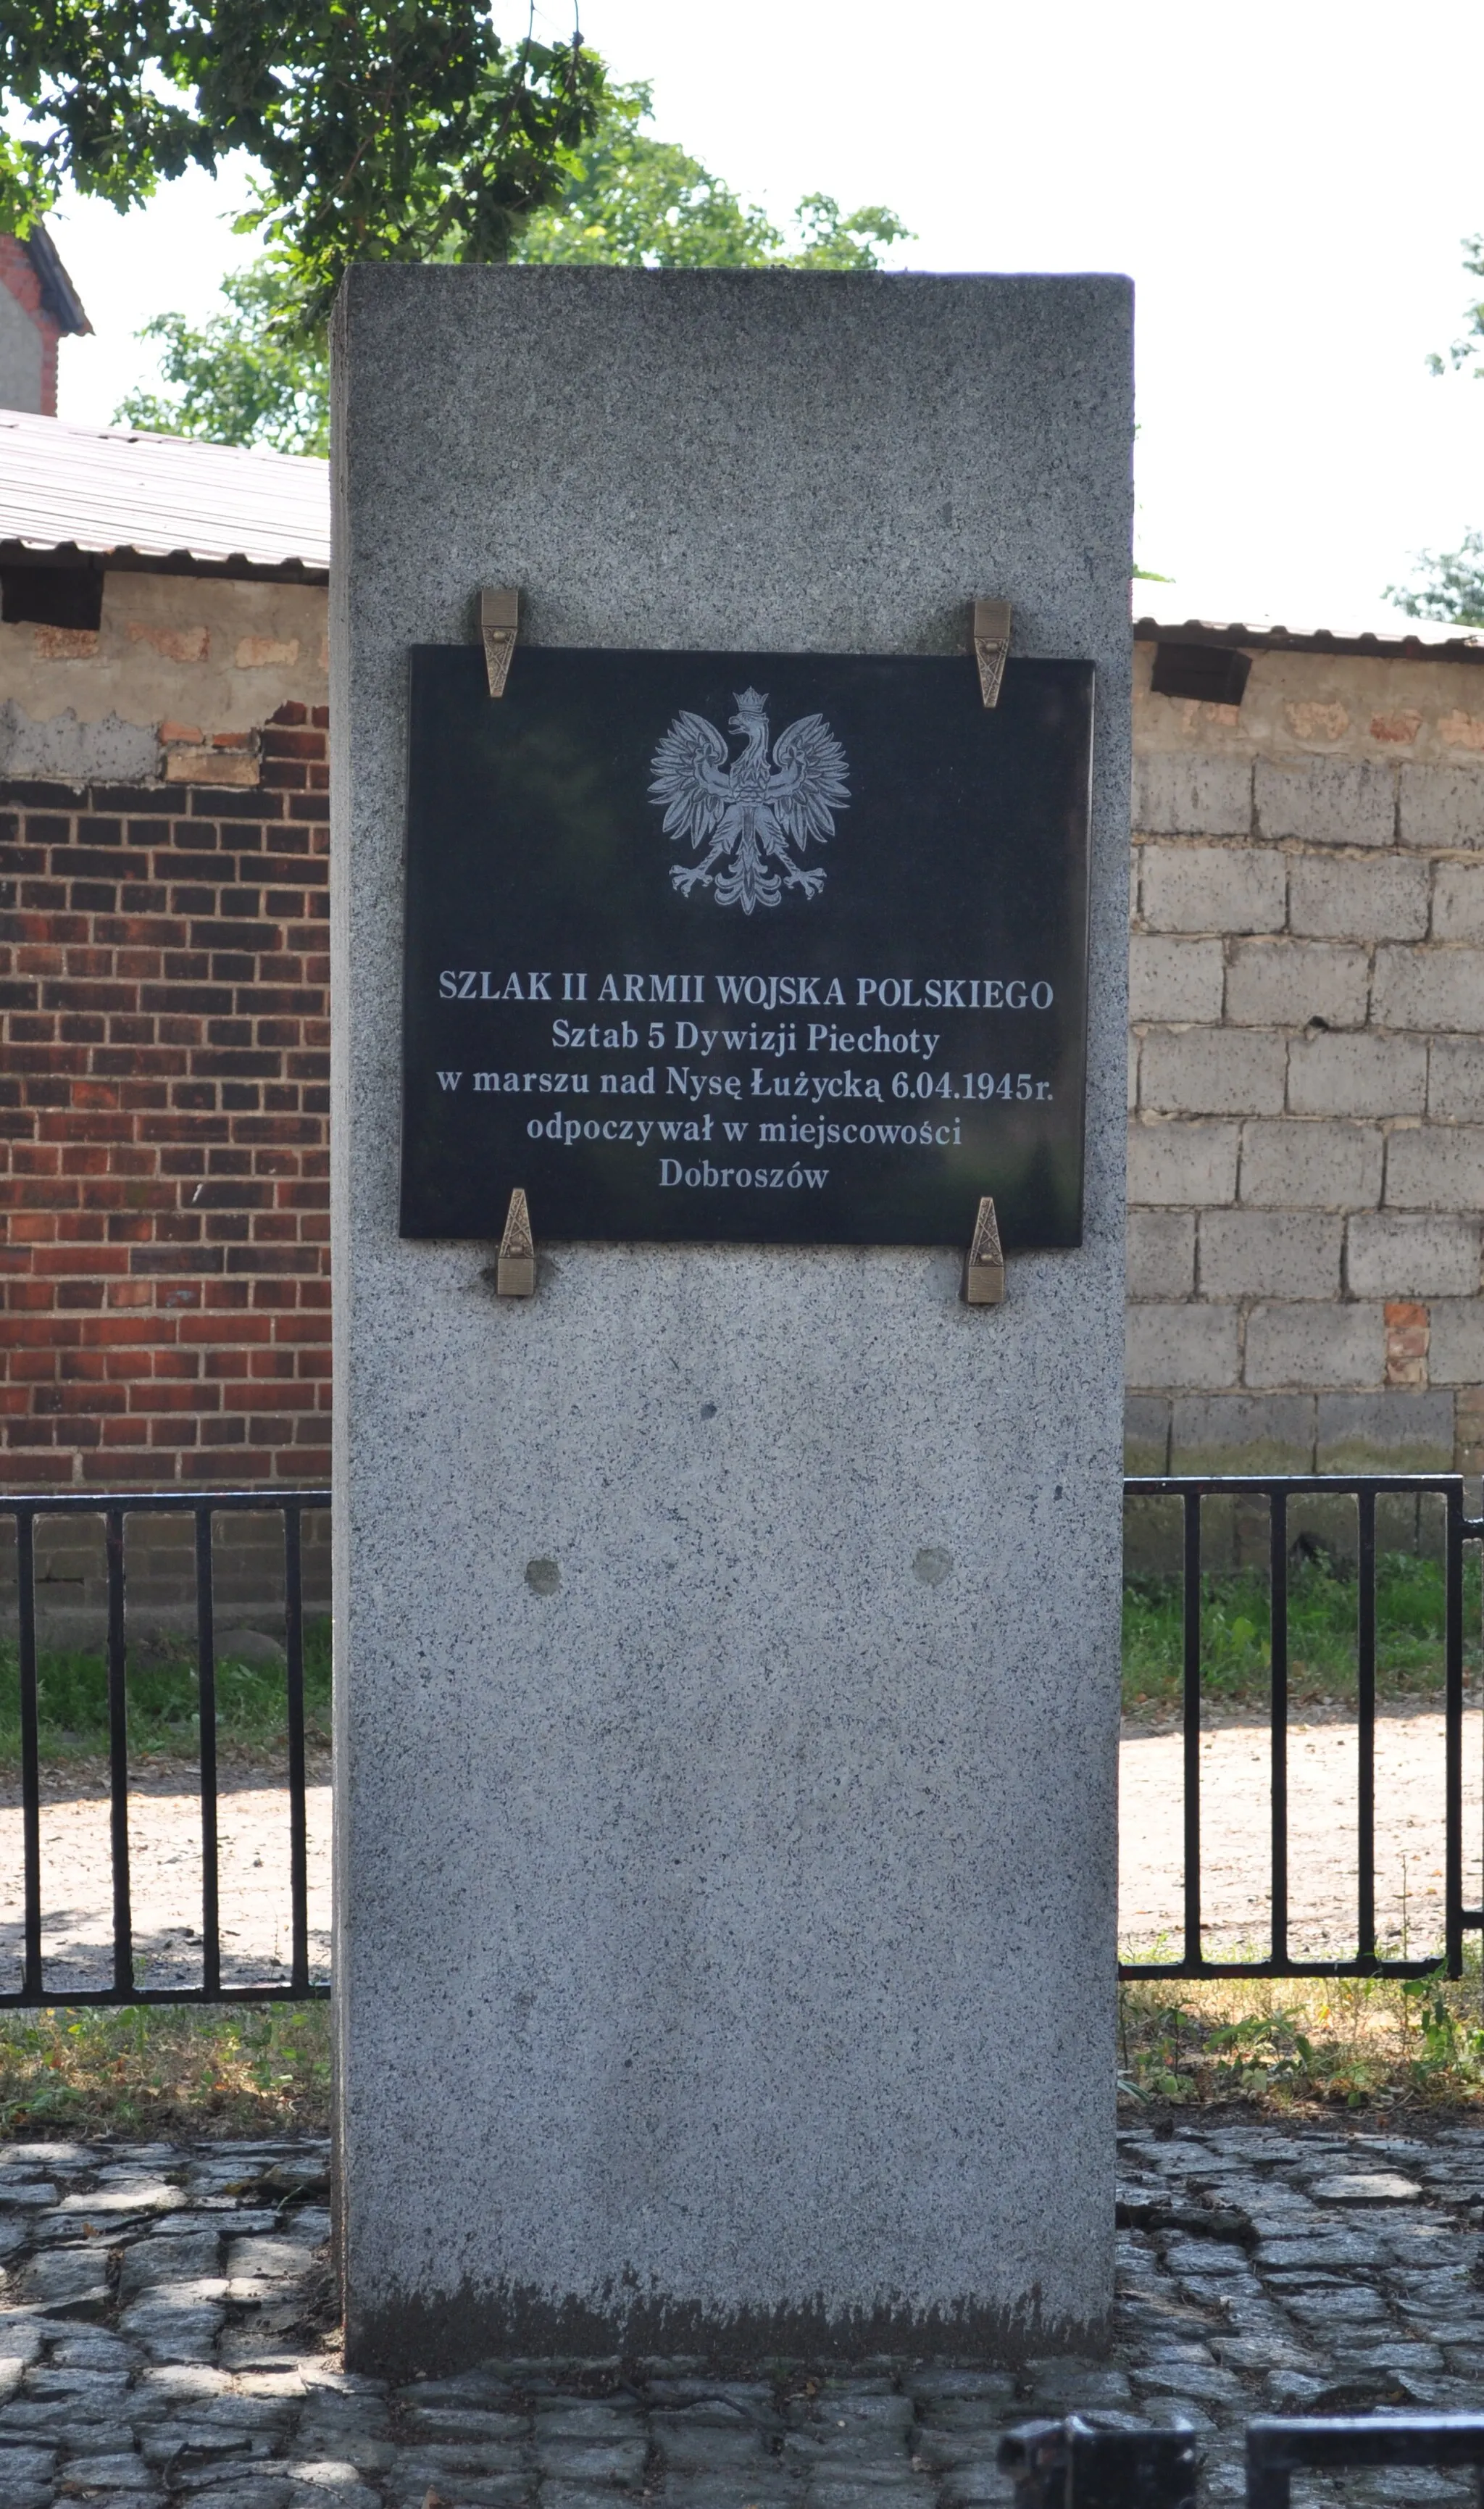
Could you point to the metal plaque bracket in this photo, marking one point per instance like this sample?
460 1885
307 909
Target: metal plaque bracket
991 644
984 1269
515 1264
499 623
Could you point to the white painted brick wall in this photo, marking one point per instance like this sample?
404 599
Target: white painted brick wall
1357 1075
1429 988
1410 1254
1458 902
1175 980
1213 1071
1441 809
1162 1254
1270 1254
1456 1078
1305 1150
1315 1344
1191 1164
1333 1167
1287 984
1212 889
1325 801
1185 1346
1352 899
1439 1169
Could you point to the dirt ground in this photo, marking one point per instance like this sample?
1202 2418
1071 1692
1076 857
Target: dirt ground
165 1873
164 1852
1236 1801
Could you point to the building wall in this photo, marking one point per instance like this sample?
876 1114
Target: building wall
1306 1171
1306 1053
164 1088
28 336
173 683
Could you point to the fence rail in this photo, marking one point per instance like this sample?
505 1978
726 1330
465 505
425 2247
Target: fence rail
1278 1489
204 1507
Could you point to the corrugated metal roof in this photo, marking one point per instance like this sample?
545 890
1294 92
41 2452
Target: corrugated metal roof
1441 644
112 489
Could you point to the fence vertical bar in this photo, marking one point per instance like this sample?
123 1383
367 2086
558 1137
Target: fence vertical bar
30 1750
1192 1602
1278 1607
298 1847
206 1696
118 1757
1365 1714
1453 1779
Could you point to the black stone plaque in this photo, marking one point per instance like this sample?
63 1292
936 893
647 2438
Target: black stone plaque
746 947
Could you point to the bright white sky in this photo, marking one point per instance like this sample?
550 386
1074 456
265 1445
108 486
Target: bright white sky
1287 183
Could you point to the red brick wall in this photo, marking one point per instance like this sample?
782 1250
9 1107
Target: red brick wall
164 1127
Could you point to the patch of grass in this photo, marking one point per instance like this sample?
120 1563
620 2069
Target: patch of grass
1287 2042
148 2070
163 1705
1321 1632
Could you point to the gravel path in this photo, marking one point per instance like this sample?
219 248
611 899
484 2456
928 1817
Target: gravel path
165 2340
165 1851
165 1871
1322 1853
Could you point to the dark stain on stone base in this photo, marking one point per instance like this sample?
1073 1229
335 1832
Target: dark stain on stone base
404 2334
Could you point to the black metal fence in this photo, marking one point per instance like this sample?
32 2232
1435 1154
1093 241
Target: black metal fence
204 1507
1082 2463
1278 1495
1279 1492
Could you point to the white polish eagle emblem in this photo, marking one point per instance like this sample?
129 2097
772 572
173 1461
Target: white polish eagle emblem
749 811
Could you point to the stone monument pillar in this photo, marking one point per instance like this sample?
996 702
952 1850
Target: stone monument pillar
726 1635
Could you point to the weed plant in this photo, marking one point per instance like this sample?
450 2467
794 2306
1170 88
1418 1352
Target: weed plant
1322 1603
1282 2043
148 2070
164 1704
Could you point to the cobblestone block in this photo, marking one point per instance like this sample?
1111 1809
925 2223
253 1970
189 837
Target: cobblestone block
67 2281
1162 1254
1456 1077
1382 899
1325 801
1323 1166
1390 1432
1357 1075
1169 1346
1269 1254
149 2262
1212 889
1440 1167
1176 794
1175 980
1213 1071
1441 807
1286 984
1429 988
1457 1353
1182 1163
1407 1254
1242 1433
1458 902
1316 1345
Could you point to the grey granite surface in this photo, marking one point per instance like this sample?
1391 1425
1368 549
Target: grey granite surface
726 1910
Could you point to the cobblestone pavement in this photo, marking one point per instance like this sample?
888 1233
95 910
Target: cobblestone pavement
163 2336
